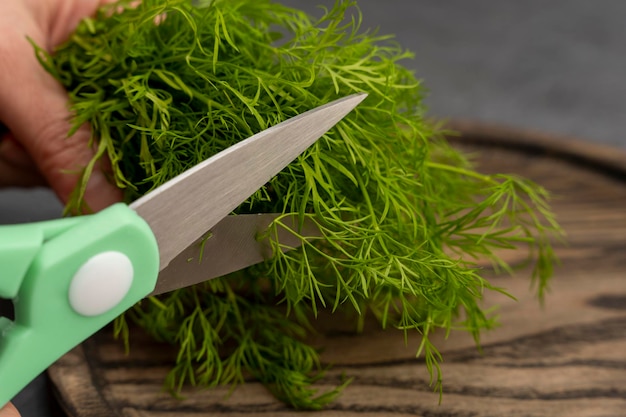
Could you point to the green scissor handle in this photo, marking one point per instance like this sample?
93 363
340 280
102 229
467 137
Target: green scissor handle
67 279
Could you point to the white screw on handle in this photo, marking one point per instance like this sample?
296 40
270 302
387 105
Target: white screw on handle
101 283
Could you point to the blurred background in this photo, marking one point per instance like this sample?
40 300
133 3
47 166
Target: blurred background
556 66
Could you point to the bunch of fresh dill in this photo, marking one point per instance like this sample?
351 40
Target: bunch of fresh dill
167 83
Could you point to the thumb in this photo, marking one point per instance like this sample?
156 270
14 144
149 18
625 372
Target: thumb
9 410
35 109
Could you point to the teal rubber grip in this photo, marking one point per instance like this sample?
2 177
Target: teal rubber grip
68 278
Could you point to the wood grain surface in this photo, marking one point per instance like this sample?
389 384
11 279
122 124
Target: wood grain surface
567 358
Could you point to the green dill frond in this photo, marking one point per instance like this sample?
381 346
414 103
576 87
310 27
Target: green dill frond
404 218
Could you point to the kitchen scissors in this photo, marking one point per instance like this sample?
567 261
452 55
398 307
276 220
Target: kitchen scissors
68 278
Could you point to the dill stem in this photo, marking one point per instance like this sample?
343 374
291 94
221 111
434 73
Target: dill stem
462 171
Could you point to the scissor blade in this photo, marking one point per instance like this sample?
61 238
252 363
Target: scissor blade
180 211
233 244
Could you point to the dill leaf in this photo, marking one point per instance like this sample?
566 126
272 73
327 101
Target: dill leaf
404 217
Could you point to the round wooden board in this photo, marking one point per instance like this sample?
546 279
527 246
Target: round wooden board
565 359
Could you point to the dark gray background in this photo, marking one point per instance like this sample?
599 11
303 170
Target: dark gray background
557 66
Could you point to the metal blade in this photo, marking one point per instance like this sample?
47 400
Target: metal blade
187 206
231 246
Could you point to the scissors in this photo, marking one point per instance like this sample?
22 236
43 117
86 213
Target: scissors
68 278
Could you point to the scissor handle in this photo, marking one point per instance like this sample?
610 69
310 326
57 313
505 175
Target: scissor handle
67 279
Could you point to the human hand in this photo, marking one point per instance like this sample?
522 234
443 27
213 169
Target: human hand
34 106
9 410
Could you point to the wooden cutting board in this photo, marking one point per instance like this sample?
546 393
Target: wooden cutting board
565 359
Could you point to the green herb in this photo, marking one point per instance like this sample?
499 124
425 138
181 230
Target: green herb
404 217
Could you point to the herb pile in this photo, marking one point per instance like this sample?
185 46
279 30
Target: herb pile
404 217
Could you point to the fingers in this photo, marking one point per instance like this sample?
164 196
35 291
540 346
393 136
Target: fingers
34 108
39 120
17 167
9 410
65 17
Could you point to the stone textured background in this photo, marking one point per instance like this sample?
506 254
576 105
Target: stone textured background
557 66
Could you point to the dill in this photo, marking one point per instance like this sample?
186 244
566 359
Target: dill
404 217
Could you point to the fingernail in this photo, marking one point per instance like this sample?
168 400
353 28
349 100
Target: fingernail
100 193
